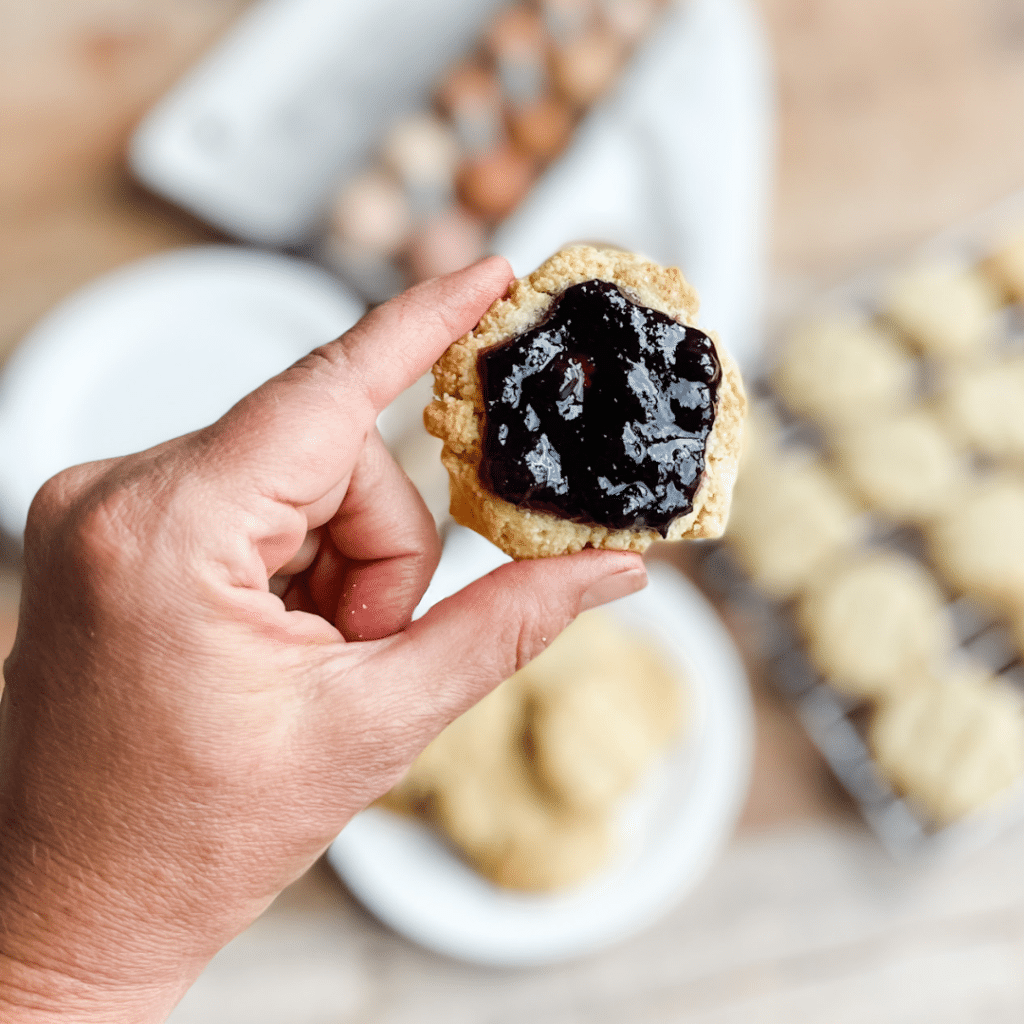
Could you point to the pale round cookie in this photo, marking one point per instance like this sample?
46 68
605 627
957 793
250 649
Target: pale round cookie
906 468
482 736
457 413
789 522
1006 265
984 405
600 709
948 312
873 622
950 745
514 836
978 544
841 370
475 783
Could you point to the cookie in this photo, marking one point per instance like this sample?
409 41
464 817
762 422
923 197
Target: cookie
978 544
1006 266
841 370
493 724
950 745
788 522
514 836
984 405
602 704
586 409
947 312
475 783
905 468
873 622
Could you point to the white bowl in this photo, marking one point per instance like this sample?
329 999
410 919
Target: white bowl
669 832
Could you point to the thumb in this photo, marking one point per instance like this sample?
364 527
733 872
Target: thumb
467 644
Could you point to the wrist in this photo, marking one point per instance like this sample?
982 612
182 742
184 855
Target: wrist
61 958
34 994
74 945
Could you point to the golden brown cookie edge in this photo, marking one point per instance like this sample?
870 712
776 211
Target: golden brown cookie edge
457 411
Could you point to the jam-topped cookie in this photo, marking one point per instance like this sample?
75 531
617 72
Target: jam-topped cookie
587 409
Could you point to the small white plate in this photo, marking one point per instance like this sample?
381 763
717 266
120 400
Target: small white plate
153 351
669 832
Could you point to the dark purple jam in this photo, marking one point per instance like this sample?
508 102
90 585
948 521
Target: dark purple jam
601 413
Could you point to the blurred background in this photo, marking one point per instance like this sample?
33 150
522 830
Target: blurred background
841 181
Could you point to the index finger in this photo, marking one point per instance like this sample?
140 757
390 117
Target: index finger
296 437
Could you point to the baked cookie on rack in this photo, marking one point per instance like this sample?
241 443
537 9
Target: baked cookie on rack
950 745
978 543
947 311
790 521
873 622
586 409
983 404
905 468
840 370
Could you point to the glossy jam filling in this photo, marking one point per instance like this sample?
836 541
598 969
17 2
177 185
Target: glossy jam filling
601 413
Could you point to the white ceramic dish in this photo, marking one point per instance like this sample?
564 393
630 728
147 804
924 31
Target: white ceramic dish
153 351
670 831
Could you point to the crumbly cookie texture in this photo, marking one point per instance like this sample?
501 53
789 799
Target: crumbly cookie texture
906 468
978 544
873 622
947 312
840 370
950 745
456 415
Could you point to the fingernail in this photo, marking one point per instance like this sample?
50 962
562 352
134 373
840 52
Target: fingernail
611 588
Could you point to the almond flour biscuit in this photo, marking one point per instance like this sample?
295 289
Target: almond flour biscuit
906 468
513 835
600 707
475 783
946 312
786 524
493 724
841 370
1006 266
984 405
950 745
978 544
873 622
608 419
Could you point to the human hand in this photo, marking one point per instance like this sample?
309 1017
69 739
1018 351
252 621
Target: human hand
177 741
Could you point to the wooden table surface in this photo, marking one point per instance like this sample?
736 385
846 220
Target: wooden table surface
895 119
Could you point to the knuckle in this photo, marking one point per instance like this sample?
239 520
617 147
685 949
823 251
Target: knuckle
330 360
103 529
54 503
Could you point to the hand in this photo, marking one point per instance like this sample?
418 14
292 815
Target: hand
215 667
